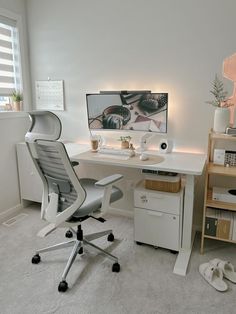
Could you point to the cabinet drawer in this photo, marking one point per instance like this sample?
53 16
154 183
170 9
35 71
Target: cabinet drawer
31 185
159 201
157 228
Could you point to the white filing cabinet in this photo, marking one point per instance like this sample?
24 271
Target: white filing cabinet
31 185
158 217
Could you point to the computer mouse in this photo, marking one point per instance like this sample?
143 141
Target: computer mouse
143 157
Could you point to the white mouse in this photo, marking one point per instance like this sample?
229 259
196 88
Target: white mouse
143 157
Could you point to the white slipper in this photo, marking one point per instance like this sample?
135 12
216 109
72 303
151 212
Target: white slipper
226 267
214 276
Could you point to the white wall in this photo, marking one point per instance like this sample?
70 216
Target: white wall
13 126
171 46
12 131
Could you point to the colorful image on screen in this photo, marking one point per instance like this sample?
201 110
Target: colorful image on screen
144 111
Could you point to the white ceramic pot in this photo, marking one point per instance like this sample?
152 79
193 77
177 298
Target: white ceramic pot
221 119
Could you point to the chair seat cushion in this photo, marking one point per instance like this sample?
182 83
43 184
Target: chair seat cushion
94 197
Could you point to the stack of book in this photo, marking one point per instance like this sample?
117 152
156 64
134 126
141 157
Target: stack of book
220 224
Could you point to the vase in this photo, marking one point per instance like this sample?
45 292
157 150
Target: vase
124 144
221 120
16 106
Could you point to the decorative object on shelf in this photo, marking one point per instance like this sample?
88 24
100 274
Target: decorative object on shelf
17 98
222 114
229 71
125 141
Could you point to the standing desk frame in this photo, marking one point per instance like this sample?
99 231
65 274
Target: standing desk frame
187 164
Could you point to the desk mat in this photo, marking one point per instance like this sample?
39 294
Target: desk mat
152 160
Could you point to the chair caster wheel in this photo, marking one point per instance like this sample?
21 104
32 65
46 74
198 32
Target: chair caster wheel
116 268
173 252
110 237
81 251
69 234
63 286
36 259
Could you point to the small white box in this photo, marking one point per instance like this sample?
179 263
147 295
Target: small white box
219 156
223 195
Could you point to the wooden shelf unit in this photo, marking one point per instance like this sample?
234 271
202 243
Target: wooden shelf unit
219 239
218 170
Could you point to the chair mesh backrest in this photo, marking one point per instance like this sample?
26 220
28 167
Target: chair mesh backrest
52 167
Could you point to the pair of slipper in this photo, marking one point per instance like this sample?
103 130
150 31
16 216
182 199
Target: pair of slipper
214 271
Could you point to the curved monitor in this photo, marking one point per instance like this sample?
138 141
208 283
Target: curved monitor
134 111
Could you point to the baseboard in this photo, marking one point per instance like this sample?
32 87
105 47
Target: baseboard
120 212
10 212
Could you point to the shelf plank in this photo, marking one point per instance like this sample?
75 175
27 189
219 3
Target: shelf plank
221 170
218 136
217 204
219 239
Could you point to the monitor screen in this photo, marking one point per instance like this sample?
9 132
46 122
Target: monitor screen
135 111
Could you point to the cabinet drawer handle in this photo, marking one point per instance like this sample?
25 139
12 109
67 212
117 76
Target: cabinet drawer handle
152 213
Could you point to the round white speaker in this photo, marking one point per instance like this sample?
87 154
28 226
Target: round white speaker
165 146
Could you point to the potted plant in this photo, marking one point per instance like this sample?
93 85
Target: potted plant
125 141
222 114
17 98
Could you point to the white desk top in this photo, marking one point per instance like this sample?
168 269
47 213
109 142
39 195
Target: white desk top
185 163
75 149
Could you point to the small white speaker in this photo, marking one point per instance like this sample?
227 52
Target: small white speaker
165 146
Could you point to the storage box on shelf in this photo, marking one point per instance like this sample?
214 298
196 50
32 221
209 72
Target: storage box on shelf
219 217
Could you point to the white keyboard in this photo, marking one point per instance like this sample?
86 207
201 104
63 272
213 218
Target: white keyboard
110 156
116 152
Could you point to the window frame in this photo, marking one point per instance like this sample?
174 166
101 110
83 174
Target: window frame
24 65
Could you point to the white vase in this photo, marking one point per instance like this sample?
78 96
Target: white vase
221 119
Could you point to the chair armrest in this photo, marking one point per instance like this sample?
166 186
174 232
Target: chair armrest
108 180
74 163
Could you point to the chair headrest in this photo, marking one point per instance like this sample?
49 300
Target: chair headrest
45 125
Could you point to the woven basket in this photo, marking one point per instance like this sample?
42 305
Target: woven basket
164 186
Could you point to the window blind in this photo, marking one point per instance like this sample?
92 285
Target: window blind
9 57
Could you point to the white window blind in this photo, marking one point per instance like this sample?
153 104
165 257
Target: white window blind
10 72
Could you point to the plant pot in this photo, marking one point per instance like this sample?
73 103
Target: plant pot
124 144
221 120
16 106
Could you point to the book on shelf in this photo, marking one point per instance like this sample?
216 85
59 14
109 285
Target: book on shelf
220 223
234 227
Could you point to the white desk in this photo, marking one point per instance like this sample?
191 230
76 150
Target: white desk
187 164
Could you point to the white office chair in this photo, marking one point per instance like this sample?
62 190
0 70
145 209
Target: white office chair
67 200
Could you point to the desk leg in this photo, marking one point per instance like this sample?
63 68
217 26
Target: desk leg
183 257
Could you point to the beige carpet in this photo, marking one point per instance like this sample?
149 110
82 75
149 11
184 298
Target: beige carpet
145 285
